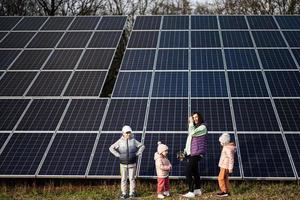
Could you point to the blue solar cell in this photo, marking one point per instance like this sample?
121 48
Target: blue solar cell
105 39
75 40
284 83
241 59
268 39
134 84
84 115
247 84
84 23
205 39
69 154
147 22
16 40
45 40
293 38
206 59
112 23
57 23
261 22
236 39
264 155
7 57
31 23
3 137
288 111
175 22
7 23
204 22
172 59
125 111
138 60
174 39
11 111
288 22
233 22
104 163
63 59
254 115
168 115
276 59
216 113
293 143
296 53
170 84
208 84
143 39
31 59
23 153
96 59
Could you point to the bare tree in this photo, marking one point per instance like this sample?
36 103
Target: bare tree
50 7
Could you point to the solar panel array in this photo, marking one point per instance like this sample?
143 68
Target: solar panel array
241 72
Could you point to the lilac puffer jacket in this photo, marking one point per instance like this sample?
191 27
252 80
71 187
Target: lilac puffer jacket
198 146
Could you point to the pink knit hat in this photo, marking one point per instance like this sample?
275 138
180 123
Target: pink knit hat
161 147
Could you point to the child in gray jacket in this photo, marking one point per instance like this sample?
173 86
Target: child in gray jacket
127 149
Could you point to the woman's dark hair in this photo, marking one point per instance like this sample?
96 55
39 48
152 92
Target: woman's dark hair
199 116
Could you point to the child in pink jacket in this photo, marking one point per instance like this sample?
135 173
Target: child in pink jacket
163 167
226 164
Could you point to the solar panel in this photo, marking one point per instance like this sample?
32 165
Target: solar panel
15 83
2 34
45 40
241 59
138 60
293 143
63 59
175 22
170 84
265 152
84 23
23 153
284 83
236 39
31 23
69 154
216 113
16 40
261 22
288 22
205 39
208 84
86 83
112 23
288 111
254 115
168 115
7 57
74 40
143 39
7 23
11 111
43 114
206 59
296 53
31 60
49 84
84 115
276 59
172 59
3 137
268 39
125 112
134 84
204 22
247 84
233 22
147 23
292 38
57 23
105 39
174 39
96 59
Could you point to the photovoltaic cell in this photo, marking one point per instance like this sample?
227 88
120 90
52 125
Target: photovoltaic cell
11 111
296 53
174 39
241 59
7 57
43 114
175 22
204 22
2 34
284 83
233 22
45 40
49 84
288 22
84 23
261 22
31 60
15 83
268 39
105 39
75 40
264 155
147 22
216 113
69 154
247 84
288 111
23 153
276 59
31 23
206 59
96 59
57 23
125 111
205 39
134 84
168 115
63 59
84 115
105 163
16 40
143 39
236 39
172 59
208 84
254 115
3 137
293 142
138 60
112 23
170 84
86 83
7 23
292 38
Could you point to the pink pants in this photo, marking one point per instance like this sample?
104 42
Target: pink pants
163 184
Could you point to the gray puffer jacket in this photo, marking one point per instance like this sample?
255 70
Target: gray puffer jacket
127 150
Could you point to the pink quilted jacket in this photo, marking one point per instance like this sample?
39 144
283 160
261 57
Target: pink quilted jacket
163 165
227 156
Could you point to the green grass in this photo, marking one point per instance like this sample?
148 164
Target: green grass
106 190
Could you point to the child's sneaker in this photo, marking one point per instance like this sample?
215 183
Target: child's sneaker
189 195
198 192
160 196
222 194
167 193
122 196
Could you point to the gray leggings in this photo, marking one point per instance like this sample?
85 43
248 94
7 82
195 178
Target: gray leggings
127 171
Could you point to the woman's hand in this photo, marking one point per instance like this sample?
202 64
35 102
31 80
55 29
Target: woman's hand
191 120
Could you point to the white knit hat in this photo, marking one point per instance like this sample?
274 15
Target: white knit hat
224 138
161 147
126 129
